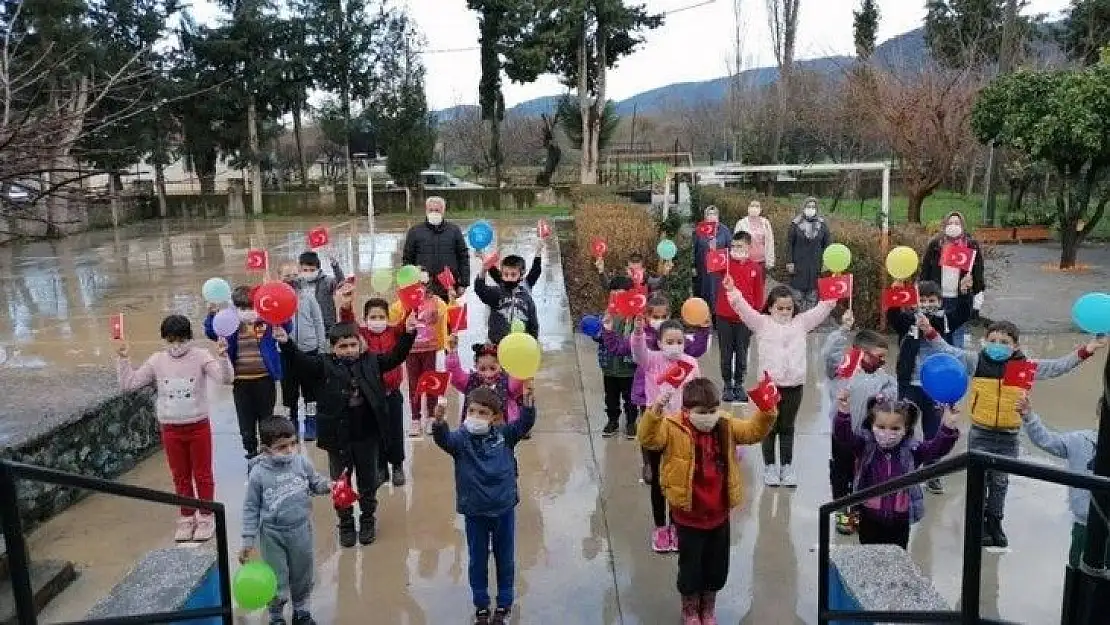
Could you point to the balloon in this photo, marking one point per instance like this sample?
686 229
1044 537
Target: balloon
276 302
666 249
519 354
480 235
409 274
216 290
944 378
381 280
254 585
1092 313
901 262
837 257
225 323
695 312
518 326
590 326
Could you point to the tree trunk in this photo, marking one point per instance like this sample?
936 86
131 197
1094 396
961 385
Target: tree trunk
598 107
352 199
495 147
301 165
1070 239
916 199
113 197
255 165
584 170
160 189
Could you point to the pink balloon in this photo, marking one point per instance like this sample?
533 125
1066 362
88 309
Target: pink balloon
226 322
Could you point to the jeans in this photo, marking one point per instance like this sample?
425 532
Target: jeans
734 337
959 335
254 401
415 365
1003 443
189 454
360 459
842 470
874 530
703 557
294 385
783 430
498 533
393 439
618 391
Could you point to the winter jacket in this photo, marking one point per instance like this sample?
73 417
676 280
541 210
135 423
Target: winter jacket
323 286
782 347
654 364
759 227
806 252
182 382
696 346
614 352
748 277
671 435
309 331
1076 447
531 279
333 414
380 344
267 346
931 269
862 386
507 388
904 324
485 465
506 306
279 495
435 248
705 283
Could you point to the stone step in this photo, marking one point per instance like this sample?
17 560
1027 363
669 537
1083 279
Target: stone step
48 579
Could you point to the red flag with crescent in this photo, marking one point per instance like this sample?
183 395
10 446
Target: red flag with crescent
599 247
766 396
900 296
318 237
675 375
456 318
258 260
432 383
1020 374
631 303
958 256
835 287
412 296
716 261
115 323
706 229
849 363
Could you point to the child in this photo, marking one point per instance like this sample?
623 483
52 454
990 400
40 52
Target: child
866 380
486 491
633 270
310 336
181 373
614 356
885 449
254 354
381 337
277 517
747 275
508 302
1078 449
780 332
533 272
431 337
701 480
654 363
995 422
353 415
487 374
322 286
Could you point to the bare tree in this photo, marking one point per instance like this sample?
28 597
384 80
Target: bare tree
782 17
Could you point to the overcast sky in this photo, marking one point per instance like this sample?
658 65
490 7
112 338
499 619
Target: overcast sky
692 45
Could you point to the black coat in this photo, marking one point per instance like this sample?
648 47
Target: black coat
332 378
931 270
435 248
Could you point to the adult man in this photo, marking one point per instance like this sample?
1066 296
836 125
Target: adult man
436 245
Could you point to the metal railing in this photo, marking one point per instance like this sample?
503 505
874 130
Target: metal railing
18 563
976 463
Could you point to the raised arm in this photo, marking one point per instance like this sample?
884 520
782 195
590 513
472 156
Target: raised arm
750 316
489 295
815 316
337 270
518 429
396 356
935 343
534 271
936 447
209 329
615 343
132 379
1048 440
845 434
650 432
460 377
641 353
1056 367
832 352
312 365
444 438
752 430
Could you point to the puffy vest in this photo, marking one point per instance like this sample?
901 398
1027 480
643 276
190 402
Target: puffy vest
994 406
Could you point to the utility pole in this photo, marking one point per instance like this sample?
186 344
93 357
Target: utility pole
1007 58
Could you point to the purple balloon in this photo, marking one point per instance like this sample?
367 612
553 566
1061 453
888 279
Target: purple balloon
226 322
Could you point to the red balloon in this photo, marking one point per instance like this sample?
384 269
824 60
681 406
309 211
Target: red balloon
276 302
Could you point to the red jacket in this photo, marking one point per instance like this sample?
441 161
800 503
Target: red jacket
379 344
709 495
748 276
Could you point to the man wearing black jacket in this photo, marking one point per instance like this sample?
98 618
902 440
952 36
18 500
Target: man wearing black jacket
435 245
352 414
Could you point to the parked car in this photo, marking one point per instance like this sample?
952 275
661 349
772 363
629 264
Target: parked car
436 179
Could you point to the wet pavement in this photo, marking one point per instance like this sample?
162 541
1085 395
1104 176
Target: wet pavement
583 521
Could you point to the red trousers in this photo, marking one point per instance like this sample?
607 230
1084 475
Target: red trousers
189 454
415 365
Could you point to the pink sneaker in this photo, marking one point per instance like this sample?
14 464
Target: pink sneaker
205 529
660 540
673 533
184 529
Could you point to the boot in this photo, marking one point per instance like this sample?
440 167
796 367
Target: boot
988 532
999 536
691 604
347 534
310 421
367 531
708 610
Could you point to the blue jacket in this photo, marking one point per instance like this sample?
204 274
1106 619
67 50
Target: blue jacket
267 345
485 466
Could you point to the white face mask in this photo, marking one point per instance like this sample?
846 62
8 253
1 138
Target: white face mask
782 318
712 217
248 316
734 255
754 211
888 438
377 327
953 230
704 422
809 212
476 425
310 275
672 352
283 459
177 350
424 277
435 218
656 324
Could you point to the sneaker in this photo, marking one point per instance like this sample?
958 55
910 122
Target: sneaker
397 475
788 478
367 532
661 540
303 618
728 395
610 430
630 431
741 396
935 486
415 431
205 529
771 475
674 538
186 527
501 616
428 423
481 617
347 534
844 524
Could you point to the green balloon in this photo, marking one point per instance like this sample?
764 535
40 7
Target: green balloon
381 280
409 274
518 326
837 257
254 586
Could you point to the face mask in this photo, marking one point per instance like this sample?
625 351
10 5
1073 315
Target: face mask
953 230
424 277
377 327
754 211
248 316
871 365
887 438
510 284
656 324
177 350
704 422
282 460
476 426
930 309
672 352
308 276
293 282
734 255
782 318
712 218
809 212
435 218
998 352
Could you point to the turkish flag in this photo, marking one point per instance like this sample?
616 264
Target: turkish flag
1020 373
766 396
957 255
637 275
706 229
716 261
258 260
342 495
446 278
412 296
115 322
675 375
598 247
491 260
614 298
318 237
835 287
849 363
543 229
631 303
432 383
900 296
456 318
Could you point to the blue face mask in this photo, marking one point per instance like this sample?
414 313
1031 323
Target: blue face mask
998 352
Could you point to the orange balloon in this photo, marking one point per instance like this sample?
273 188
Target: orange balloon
695 312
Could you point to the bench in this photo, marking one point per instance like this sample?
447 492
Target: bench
900 585
177 578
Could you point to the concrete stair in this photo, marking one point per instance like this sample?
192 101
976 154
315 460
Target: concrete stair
48 579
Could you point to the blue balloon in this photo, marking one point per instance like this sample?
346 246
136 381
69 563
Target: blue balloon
590 326
480 235
1092 313
944 378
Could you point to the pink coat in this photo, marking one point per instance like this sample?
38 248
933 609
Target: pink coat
464 380
782 346
182 383
654 364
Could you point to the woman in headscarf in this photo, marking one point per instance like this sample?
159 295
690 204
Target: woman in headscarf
954 232
705 285
763 238
806 241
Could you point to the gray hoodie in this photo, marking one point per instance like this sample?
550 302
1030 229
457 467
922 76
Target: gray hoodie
279 494
862 386
308 323
1076 447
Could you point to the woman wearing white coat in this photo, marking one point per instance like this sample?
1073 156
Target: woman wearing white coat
763 237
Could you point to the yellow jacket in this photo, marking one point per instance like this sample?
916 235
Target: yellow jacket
397 316
676 440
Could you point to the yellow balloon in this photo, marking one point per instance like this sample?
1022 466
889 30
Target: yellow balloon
901 262
519 354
